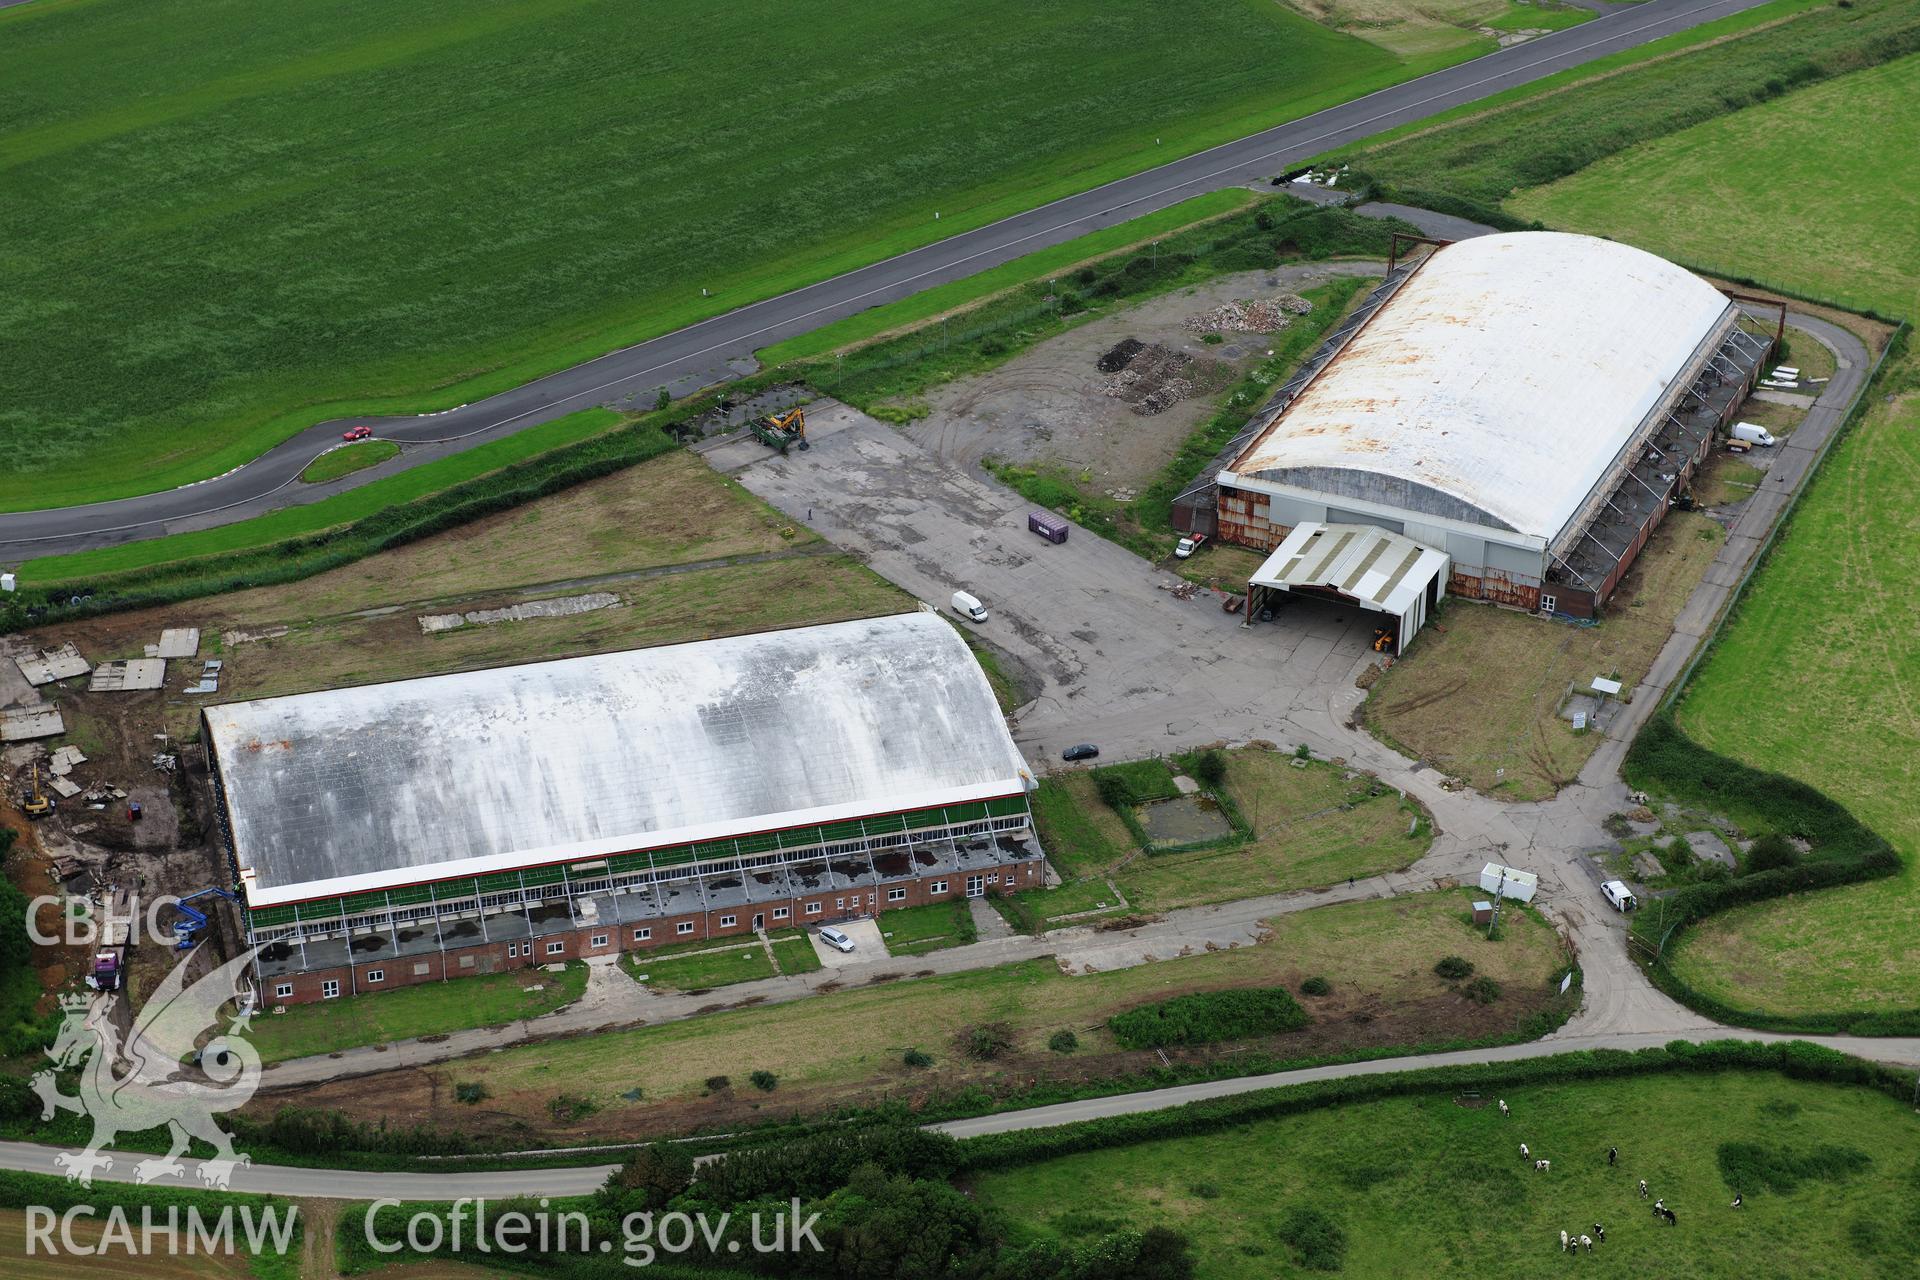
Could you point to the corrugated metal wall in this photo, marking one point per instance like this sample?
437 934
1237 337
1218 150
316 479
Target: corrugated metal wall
1243 521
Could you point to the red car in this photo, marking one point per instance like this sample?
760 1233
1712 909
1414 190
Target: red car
357 433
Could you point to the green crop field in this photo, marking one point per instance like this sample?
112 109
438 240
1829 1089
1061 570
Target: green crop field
1424 1186
334 207
1818 674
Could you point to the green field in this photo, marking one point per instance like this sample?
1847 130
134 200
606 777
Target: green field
1818 674
1479 157
432 1008
1423 1186
1819 190
333 208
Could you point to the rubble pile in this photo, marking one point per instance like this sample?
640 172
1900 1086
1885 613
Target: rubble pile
1260 315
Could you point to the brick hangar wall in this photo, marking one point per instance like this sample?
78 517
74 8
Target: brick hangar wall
642 935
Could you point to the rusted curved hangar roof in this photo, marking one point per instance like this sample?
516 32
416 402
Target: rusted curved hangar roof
1499 383
352 790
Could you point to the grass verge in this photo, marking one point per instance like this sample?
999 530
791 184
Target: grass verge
347 459
406 1013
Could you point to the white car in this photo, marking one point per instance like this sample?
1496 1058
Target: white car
836 939
1187 546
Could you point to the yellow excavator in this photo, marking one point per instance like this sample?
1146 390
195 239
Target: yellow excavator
36 803
781 430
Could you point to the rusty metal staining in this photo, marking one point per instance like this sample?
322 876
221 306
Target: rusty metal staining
1492 584
1243 520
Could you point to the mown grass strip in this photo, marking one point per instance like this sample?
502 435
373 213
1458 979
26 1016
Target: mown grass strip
956 294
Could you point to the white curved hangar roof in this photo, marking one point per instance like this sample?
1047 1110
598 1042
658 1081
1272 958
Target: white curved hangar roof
1499 382
357 789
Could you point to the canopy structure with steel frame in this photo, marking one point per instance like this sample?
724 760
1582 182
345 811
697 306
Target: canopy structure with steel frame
1362 565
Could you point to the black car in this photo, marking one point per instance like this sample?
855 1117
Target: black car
1085 751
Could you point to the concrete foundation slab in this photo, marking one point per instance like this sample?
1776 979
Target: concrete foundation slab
128 676
22 724
178 642
53 664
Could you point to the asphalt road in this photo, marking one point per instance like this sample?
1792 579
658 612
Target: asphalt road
723 346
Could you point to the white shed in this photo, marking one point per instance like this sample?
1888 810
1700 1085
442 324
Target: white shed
1509 882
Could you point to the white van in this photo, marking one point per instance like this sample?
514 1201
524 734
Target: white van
1619 895
969 607
836 939
1753 434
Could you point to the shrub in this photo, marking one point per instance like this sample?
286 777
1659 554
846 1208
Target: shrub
1772 852
1317 1241
1063 1042
1679 855
657 1172
470 1092
1303 752
1210 767
915 1058
1114 790
986 1041
1482 990
1208 1016
716 1084
567 1107
1453 968
764 1081
1316 986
